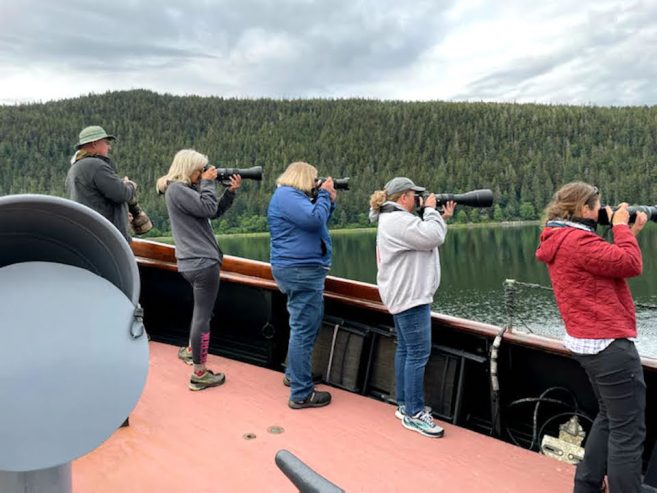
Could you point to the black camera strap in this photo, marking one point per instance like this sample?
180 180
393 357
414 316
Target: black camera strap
389 208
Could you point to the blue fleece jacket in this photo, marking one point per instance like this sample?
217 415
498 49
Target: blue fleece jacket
299 228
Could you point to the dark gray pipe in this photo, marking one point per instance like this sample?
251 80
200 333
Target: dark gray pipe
302 476
52 480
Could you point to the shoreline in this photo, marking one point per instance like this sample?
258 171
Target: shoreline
346 231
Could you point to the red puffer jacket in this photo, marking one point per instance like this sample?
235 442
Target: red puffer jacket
588 276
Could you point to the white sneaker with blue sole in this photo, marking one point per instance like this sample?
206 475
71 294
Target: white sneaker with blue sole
423 423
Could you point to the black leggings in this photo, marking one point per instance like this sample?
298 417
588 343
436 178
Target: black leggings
205 285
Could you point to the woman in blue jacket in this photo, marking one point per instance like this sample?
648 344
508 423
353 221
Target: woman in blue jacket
298 218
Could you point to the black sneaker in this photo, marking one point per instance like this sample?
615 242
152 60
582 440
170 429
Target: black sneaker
315 399
286 381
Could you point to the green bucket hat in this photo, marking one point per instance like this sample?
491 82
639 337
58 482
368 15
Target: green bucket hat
92 134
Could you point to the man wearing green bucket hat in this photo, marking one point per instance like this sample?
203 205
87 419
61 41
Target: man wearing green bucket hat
92 179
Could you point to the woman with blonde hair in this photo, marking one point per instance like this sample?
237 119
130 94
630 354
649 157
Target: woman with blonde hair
589 276
298 216
191 199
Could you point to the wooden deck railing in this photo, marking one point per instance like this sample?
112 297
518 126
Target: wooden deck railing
258 274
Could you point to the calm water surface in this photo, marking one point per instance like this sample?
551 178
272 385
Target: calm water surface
475 262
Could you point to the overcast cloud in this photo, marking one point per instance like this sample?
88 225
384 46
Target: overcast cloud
566 51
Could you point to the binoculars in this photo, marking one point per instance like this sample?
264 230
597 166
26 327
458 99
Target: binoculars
474 198
650 210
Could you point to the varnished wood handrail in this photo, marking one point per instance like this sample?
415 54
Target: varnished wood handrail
258 274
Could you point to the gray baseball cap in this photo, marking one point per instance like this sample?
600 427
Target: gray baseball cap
401 184
92 134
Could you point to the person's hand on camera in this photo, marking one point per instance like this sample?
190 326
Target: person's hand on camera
449 209
235 182
639 223
209 174
328 186
130 182
430 201
621 215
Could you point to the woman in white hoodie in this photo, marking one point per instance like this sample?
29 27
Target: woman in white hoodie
408 276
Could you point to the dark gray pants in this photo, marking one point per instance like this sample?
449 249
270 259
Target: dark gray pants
205 285
615 442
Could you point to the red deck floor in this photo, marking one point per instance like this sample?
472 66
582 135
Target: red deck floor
183 441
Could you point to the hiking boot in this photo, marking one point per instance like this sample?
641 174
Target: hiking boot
315 399
423 423
185 354
401 411
205 380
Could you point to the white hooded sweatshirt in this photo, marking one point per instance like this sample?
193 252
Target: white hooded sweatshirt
407 256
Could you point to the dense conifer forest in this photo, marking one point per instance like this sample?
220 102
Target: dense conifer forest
523 152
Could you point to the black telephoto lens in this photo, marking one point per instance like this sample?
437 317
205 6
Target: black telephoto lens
338 183
650 210
254 173
474 198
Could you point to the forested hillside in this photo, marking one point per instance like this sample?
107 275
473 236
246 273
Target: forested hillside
521 152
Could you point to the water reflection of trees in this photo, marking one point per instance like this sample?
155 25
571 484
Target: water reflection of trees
478 258
485 257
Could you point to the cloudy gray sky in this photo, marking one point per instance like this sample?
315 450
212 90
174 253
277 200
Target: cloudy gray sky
554 51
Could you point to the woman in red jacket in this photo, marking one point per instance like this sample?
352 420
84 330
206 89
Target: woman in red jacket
589 276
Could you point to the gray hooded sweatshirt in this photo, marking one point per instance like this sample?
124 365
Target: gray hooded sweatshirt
407 256
190 210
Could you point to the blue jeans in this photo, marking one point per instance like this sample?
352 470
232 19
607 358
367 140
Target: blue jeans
413 351
304 287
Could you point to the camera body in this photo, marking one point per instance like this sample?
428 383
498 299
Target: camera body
338 184
650 210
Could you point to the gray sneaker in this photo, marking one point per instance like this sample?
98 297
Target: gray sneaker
401 411
185 354
423 423
206 380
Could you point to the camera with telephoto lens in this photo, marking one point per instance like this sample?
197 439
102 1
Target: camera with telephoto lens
338 184
224 174
140 222
474 198
650 210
